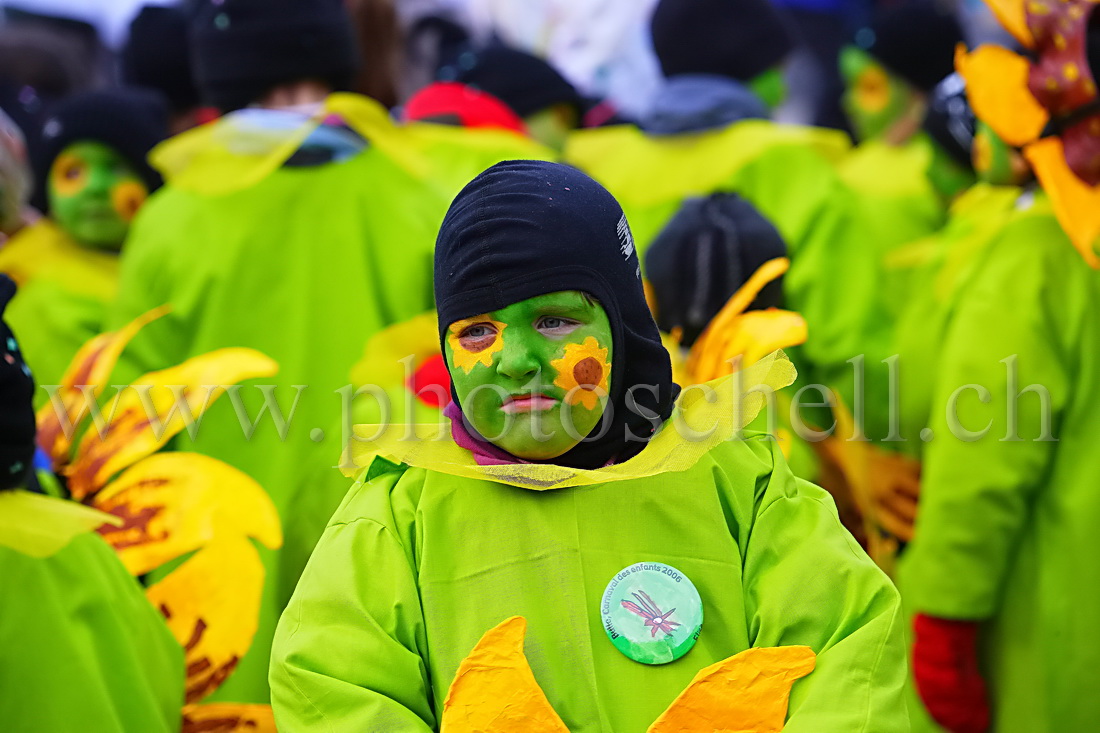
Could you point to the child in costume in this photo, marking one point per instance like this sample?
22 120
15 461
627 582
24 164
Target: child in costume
80 646
639 562
999 572
91 179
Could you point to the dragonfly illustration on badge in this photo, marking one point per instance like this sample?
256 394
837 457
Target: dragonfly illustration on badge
654 617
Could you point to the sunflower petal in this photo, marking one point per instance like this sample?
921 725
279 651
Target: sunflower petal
1011 14
212 605
1076 204
173 503
494 688
228 717
91 366
996 84
747 693
147 414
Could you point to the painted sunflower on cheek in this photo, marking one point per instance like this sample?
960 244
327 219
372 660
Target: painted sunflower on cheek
467 352
583 373
127 197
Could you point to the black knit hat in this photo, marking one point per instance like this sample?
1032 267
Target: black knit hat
242 49
950 120
16 410
703 255
527 228
740 39
131 121
914 40
157 55
524 82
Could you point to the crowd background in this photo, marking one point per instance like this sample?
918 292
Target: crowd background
224 192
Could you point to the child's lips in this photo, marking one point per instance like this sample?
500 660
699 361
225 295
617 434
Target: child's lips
518 404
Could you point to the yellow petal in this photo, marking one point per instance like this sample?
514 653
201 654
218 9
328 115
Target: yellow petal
747 693
92 366
212 606
383 354
148 413
1075 203
173 503
228 717
1012 15
996 84
494 690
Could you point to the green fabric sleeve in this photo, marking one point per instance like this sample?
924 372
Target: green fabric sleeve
808 582
976 495
319 680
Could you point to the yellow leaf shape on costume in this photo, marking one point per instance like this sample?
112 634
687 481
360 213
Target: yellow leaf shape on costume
1075 203
147 414
1013 17
212 606
228 717
996 85
91 367
744 337
170 504
494 690
747 693
383 354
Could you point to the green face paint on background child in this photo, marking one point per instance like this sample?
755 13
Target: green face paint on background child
533 378
874 99
94 194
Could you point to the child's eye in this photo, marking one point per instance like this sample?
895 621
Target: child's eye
555 326
477 337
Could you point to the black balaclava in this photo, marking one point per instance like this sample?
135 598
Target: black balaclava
915 40
157 55
16 409
703 255
740 39
131 121
527 228
524 82
242 49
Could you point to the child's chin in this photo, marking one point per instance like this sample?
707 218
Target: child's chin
537 452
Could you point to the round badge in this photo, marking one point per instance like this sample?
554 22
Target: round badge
652 613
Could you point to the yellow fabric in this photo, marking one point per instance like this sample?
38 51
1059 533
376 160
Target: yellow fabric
44 248
704 416
1012 15
747 693
170 504
91 367
142 420
228 717
1076 204
495 690
996 85
41 526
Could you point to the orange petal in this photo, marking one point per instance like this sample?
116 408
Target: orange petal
996 85
495 690
173 503
1076 204
92 365
148 413
1012 15
228 717
212 606
747 693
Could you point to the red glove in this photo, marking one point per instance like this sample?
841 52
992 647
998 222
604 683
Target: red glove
945 667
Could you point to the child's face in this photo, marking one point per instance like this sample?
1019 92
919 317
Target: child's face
94 194
533 378
873 98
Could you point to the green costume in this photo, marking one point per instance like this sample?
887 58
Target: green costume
1006 525
305 264
80 646
418 564
64 293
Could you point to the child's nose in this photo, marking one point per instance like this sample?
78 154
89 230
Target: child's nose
517 362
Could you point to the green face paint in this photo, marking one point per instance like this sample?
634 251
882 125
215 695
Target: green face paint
533 378
94 193
874 99
770 86
994 161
